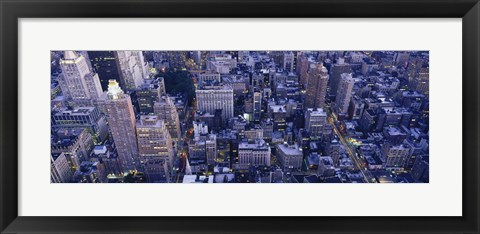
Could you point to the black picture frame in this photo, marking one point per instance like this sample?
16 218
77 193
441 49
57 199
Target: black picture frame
12 10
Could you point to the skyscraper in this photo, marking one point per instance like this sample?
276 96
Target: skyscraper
302 68
121 120
133 68
150 92
165 109
257 105
317 86
211 149
78 83
154 148
288 61
104 63
421 81
344 93
60 171
335 74
217 97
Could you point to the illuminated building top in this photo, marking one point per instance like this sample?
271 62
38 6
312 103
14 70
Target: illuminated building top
114 90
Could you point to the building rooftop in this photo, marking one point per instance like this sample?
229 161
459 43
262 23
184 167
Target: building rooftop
290 149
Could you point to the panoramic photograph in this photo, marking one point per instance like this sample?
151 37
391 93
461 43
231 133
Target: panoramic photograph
239 117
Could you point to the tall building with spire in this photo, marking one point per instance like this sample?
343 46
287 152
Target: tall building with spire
316 86
121 120
79 84
165 109
133 69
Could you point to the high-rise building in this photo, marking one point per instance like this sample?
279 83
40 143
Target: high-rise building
316 90
199 59
104 63
257 105
78 83
133 69
344 93
155 148
288 61
121 120
401 58
335 74
60 171
153 138
148 93
216 97
165 109
421 81
211 149
302 68
256 154
315 121
279 115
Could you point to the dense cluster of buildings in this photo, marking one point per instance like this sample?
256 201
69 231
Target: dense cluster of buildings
256 117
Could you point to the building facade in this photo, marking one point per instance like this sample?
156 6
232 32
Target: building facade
165 109
121 120
218 97
316 89
79 85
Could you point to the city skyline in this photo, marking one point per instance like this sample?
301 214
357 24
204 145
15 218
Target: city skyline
240 116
